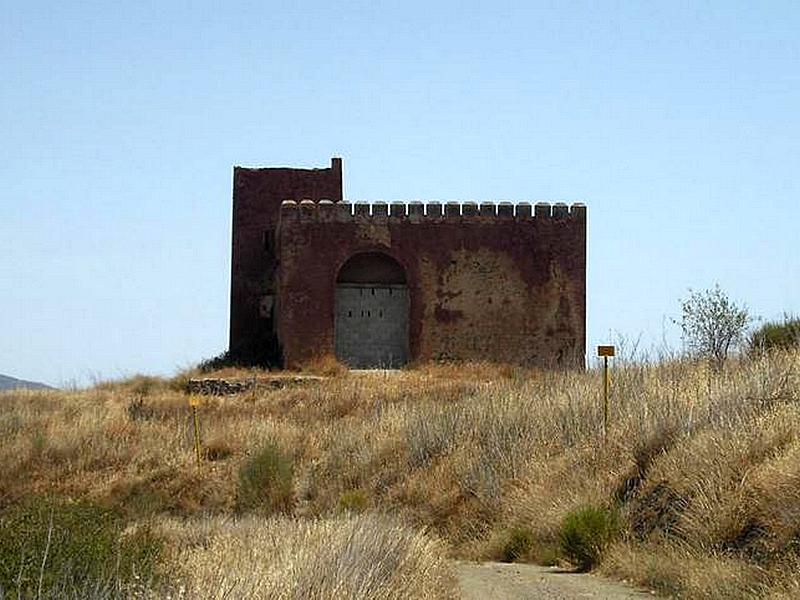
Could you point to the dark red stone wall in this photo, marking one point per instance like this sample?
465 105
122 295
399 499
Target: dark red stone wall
257 196
486 282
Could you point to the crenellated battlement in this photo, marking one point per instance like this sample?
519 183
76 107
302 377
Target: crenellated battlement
418 212
382 284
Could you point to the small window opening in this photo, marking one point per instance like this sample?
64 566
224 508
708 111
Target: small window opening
349 313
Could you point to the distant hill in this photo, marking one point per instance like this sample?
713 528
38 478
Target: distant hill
9 383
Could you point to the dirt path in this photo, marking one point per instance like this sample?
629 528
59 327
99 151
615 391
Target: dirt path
498 581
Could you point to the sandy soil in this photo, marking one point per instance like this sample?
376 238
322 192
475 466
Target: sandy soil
498 581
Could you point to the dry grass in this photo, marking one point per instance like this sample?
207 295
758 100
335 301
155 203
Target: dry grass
325 365
704 466
684 572
362 558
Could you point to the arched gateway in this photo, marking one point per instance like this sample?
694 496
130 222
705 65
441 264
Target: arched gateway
426 281
371 325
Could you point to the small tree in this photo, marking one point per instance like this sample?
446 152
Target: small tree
712 324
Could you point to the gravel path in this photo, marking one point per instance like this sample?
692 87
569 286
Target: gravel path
499 581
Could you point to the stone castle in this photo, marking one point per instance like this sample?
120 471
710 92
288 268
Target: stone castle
382 285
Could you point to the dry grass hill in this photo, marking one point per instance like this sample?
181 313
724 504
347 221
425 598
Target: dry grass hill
363 485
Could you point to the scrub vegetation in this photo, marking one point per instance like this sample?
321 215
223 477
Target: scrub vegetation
362 485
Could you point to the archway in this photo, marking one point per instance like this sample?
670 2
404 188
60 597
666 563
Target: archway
371 325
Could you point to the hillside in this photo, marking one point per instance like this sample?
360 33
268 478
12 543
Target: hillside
376 479
10 383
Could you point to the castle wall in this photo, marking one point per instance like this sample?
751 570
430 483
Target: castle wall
257 197
486 282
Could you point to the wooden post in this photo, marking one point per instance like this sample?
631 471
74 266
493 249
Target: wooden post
605 395
605 352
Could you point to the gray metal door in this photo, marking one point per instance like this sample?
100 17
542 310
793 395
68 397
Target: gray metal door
371 327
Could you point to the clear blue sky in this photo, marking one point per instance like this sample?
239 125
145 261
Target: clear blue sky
678 123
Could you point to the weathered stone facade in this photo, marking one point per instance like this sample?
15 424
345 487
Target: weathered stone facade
386 284
257 197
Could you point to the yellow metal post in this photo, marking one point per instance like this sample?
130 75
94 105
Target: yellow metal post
193 402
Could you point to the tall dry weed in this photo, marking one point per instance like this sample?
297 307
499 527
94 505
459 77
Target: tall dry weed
360 558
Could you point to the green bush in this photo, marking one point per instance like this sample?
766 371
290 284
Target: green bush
64 548
265 481
585 533
517 545
259 350
775 335
220 361
353 501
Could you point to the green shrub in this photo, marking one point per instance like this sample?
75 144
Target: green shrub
265 481
220 361
517 545
261 350
354 501
775 335
585 533
82 546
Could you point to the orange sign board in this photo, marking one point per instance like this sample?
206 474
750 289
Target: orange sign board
194 400
605 351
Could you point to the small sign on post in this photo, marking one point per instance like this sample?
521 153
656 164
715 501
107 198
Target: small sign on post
194 402
605 352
